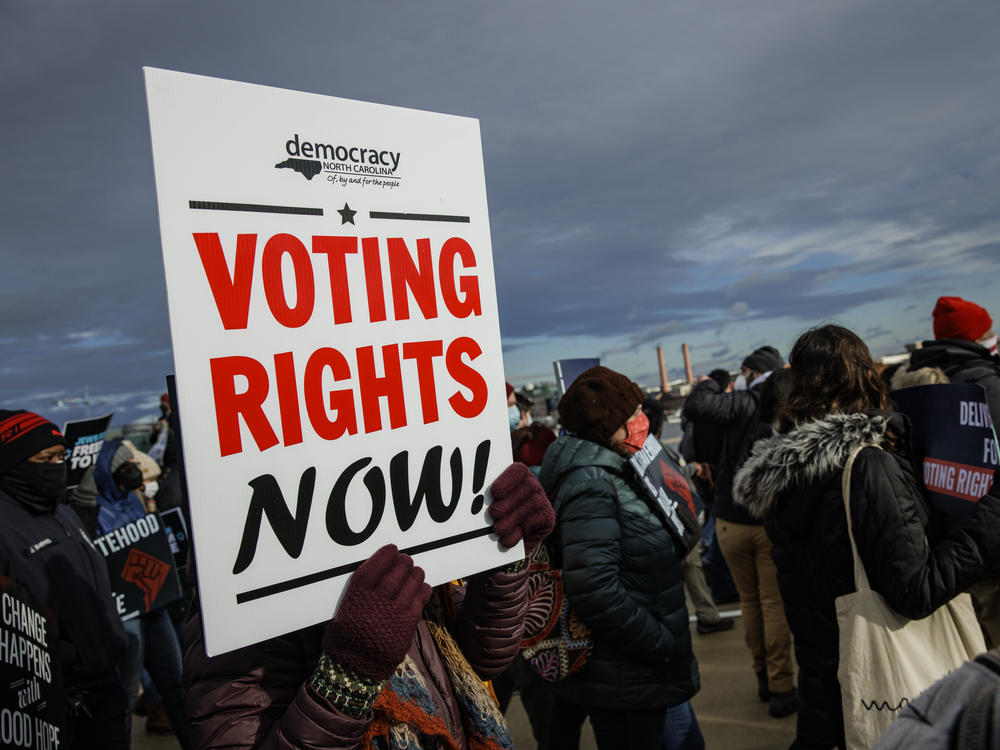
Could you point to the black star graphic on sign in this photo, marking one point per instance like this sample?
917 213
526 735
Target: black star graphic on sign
346 215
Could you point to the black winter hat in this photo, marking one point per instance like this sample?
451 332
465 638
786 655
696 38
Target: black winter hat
22 435
597 403
764 359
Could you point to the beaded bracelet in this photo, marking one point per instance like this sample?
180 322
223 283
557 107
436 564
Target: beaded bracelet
347 690
519 566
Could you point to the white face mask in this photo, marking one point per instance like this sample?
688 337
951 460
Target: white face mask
740 384
990 343
151 488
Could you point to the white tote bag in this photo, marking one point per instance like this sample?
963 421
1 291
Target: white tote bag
887 659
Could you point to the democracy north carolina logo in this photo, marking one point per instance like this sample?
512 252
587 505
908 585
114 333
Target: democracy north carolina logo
310 158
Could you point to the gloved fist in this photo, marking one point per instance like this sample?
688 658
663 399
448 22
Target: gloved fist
520 508
378 615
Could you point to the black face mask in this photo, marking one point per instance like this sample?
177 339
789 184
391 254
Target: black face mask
38 485
128 477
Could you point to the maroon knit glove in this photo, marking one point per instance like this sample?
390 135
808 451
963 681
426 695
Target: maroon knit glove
378 615
520 508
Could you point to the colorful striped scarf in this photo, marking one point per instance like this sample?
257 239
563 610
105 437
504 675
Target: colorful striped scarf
406 715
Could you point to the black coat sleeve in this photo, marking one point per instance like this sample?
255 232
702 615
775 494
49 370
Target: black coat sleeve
709 403
887 514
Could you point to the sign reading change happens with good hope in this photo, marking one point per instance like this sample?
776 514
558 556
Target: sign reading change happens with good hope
336 343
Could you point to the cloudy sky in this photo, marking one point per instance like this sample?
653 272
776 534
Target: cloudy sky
722 173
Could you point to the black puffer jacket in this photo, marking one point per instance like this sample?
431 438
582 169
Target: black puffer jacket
963 362
623 578
793 482
736 412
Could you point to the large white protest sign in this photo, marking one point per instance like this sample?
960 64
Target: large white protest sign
336 343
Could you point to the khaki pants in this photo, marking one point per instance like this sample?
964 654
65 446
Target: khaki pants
697 588
748 554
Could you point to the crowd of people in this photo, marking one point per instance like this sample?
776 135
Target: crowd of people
806 470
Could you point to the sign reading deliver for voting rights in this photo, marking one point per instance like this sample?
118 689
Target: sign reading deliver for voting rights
336 343
84 438
953 430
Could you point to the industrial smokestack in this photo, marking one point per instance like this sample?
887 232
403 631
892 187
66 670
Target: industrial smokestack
664 385
687 364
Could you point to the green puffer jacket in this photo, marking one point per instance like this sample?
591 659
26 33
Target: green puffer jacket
622 575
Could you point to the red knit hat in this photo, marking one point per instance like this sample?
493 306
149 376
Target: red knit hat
22 435
956 318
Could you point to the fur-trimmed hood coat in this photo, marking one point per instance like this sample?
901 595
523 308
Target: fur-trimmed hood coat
815 451
914 557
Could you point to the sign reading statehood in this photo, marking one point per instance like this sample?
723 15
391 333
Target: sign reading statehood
140 566
336 343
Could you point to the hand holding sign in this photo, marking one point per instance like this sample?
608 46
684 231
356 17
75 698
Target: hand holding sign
378 615
520 508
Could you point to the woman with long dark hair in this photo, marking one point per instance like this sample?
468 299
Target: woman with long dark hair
836 403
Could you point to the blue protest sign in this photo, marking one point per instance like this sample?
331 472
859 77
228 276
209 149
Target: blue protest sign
953 432
568 370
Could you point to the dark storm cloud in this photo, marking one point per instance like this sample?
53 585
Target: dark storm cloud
650 171
989 251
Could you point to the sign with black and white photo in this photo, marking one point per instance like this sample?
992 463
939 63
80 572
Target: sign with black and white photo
140 565
664 482
953 431
32 698
84 438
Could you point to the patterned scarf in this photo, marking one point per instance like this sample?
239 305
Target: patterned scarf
405 713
